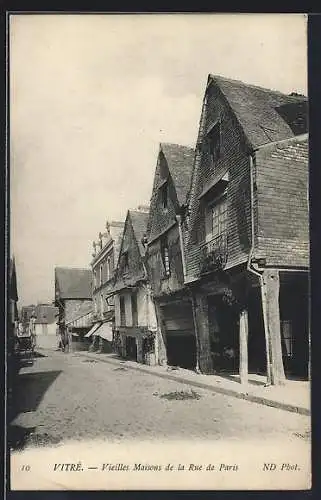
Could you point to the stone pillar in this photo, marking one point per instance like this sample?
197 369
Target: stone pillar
271 312
244 330
201 326
160 337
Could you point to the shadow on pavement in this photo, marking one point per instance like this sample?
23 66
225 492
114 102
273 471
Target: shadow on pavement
29 391
18 436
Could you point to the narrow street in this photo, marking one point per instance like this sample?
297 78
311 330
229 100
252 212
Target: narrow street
66 397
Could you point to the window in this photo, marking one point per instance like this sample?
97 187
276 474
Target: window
125 261
101 274
95 279
214 142
165 255
102 304
122 310
134 309
164 196
108 269
216 219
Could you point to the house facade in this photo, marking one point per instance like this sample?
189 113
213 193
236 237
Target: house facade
166 267
43 318
105 256
73 294
136 334
247 244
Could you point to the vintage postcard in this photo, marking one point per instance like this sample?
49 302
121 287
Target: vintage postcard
158 324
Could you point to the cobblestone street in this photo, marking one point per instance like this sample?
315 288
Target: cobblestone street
67 396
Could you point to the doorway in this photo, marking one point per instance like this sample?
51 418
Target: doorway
131 348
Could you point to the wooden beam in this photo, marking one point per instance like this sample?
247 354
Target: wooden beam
243 329
270 298
202 331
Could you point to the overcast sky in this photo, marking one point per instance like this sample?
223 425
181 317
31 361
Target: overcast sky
91 98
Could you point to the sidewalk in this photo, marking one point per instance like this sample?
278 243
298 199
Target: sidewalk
294 396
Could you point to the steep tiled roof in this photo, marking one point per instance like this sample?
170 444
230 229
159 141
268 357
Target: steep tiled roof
180 161
139 222
293 149
265 115
283 211
73 283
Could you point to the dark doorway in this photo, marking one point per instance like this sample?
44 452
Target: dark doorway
180 337
131 348
256 336
294 317
224 337
181 350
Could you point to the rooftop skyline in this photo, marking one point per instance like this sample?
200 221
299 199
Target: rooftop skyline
91 98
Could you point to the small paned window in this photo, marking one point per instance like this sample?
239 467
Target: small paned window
214 142
165 255
216 219
122 310
134 309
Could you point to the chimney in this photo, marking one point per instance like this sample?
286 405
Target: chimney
143 208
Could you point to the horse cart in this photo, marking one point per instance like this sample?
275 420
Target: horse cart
25 347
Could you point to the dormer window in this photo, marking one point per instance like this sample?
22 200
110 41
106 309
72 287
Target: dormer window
164 196
214 141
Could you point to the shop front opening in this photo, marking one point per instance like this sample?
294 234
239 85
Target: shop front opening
131 348
180 336
294 317
224 335
181 351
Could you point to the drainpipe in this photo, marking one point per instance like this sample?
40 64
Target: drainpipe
257 273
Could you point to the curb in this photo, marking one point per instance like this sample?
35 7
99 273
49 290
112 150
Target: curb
201 385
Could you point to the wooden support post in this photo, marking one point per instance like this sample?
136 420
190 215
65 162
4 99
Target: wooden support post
243 328
202 331
270 298
161 336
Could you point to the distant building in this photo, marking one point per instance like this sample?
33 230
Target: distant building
105 256
136 333
73 294
165 262
45 315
